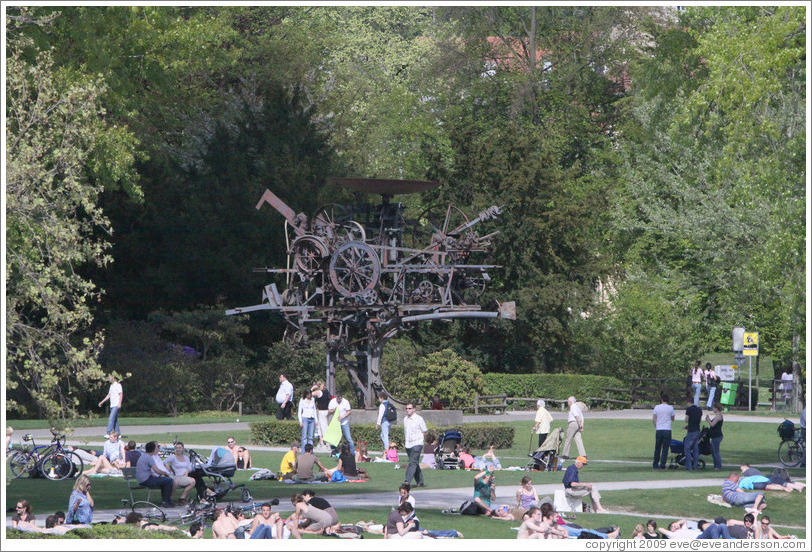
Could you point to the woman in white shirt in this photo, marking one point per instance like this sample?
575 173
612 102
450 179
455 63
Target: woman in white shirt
307 417
180 465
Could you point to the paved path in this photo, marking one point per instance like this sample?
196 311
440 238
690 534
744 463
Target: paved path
95 435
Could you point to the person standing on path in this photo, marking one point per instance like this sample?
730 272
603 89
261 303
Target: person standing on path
575 426
715 433
115 395
414 430
710 383
693 417
284 399
342 409
322 398
696 381
662 418
543 421
382 423
307 416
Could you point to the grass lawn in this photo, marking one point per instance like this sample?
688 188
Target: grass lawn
182 419
621 450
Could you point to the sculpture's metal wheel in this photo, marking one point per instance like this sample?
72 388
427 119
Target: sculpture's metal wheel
354 269
295 338
426 290
333 223
308 255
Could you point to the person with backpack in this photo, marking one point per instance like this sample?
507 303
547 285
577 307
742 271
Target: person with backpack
387 415
711 383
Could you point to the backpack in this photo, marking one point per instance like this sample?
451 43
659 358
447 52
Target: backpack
781 473
263 474
469 508
786 429
391 413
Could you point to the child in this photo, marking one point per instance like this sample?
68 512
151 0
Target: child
361 454
391 454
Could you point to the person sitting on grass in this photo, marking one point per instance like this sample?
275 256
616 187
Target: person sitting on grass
744 529
114 450
23 513
733 495
400 524
638 532
532 527
267 525
651 531
320 503
484 493
405 495
305 464
227 525
765 531
93 465
391 454
315 519
347 466
288 466
526 495
80 503
361 453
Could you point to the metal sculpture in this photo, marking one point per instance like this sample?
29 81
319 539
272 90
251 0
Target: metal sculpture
358 274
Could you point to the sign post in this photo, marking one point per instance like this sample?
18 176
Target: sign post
750 349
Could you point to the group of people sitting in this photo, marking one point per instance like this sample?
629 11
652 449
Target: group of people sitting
302 467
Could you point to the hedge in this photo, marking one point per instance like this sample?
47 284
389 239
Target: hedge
552 386
476 436
102 531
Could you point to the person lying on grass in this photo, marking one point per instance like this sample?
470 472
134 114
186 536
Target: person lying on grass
571 530
733 495
753 479
137 519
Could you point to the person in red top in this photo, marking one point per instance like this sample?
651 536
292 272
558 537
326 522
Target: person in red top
436 404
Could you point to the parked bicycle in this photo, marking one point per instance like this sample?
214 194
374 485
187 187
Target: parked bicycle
52 461
792 450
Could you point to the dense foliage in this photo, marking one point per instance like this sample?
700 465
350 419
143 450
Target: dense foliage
650 162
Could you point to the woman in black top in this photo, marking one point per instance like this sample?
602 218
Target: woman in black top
715 434
347 466
322 398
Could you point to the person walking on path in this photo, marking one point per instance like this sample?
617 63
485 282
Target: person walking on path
573 487
342 409
115 395
711 383
715 422
382 423
543 421
696 381
662 418
284 399
414 430
693 417
575 426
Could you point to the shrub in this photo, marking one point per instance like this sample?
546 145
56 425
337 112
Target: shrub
276 432
551 386
446 374
102 532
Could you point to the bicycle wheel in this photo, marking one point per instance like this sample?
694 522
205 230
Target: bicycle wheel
20 463
149 511
76 460
56 466
790 453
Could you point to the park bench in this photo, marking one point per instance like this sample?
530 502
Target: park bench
498 407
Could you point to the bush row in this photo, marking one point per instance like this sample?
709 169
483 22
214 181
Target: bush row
552 386
476 436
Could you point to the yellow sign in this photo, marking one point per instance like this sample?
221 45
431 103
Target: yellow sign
750 344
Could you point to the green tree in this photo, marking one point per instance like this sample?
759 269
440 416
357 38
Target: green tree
713 181
446 374
54 226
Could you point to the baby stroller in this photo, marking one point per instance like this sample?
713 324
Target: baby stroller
446 456
219 468
545 458
678 450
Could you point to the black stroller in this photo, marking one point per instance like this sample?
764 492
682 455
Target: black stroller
678 450
446 455
219 468
545 457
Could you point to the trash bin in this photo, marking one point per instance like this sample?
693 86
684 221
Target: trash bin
729 391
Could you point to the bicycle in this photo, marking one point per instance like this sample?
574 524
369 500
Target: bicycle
149 511
53 461
792 451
